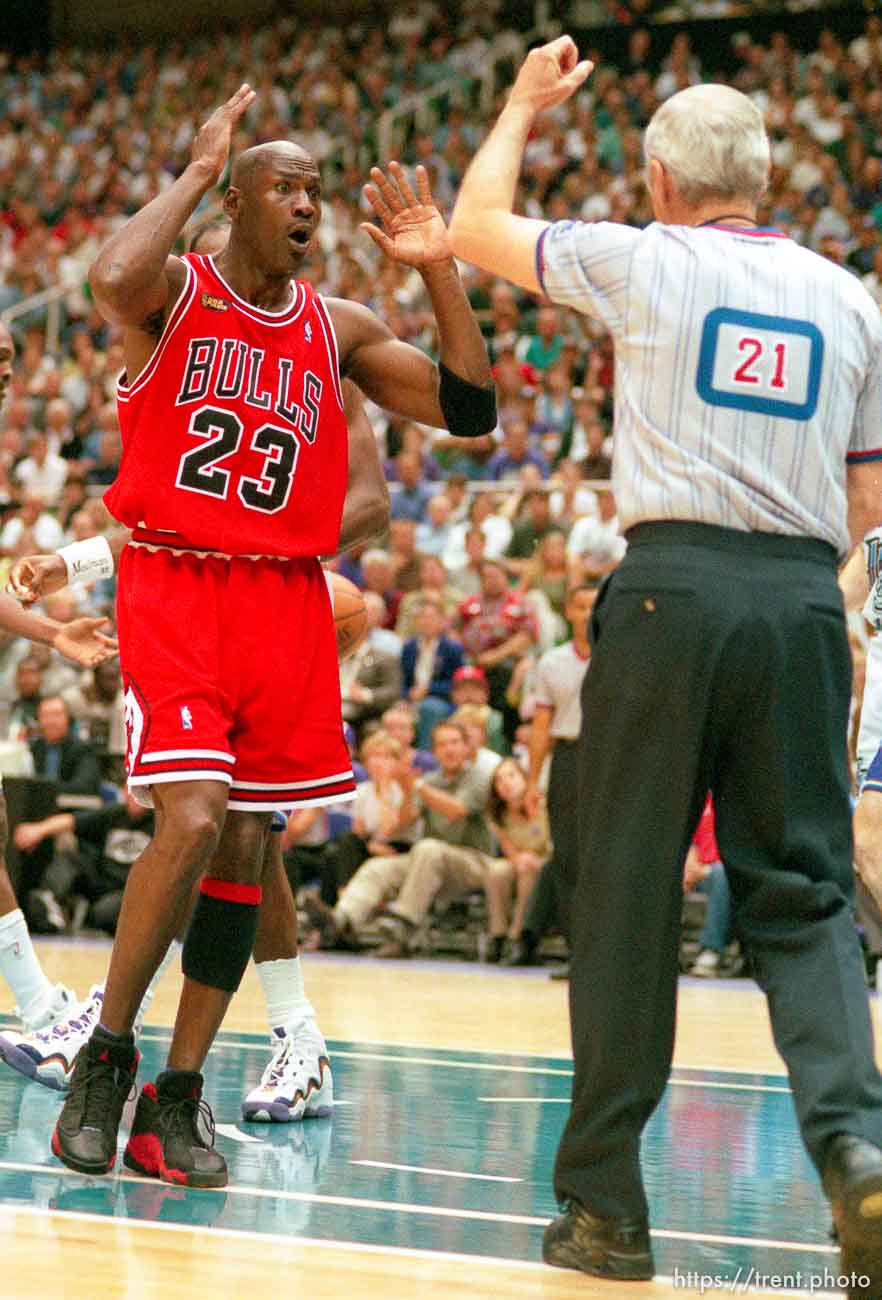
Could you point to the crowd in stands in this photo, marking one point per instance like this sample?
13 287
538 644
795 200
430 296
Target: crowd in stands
486 536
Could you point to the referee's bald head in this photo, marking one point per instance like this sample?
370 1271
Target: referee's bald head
711 141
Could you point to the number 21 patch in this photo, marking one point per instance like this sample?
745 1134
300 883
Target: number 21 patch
768 364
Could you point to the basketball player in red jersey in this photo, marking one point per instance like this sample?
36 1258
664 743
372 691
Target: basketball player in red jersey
233 477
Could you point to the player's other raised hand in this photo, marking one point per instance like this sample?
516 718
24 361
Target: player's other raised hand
413 230
549 75
83 641
211 148
36 576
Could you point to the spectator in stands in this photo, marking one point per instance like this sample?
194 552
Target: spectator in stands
29 688
96 706
533 522
554 408
58 755
370 679
409 502
515 453
433 536
596 546
456 491
705 871
596 465
398 721
470 689
434 584
542 349
42 472
428 663
108 841
378 575
526 845
306 847
548 573
495 527
62 438
497 628
404 555
450 860
103 469
32 529
570 499
466 577
474 720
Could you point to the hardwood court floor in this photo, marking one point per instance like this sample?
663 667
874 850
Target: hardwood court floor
433 1177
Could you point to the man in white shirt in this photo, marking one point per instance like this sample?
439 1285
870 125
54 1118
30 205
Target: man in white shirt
42 471
595 545
32 529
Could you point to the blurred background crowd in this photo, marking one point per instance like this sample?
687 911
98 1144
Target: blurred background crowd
487 538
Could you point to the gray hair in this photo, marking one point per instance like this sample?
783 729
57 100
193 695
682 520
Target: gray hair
713 142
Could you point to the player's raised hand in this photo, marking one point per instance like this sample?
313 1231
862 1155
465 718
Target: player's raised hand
211 148
83 641
413 230
549 75
35 576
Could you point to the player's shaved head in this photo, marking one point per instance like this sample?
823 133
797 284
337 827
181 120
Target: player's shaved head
275 153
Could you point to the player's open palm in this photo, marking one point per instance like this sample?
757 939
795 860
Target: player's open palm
35 576
83 641
211 148
413 230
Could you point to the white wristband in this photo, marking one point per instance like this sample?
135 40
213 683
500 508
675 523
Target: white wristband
88 561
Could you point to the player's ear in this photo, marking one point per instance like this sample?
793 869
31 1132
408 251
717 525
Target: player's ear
232 202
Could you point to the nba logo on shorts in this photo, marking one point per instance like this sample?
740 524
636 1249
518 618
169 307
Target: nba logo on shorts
186 718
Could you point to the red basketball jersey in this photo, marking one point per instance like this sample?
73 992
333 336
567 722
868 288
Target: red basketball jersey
234 437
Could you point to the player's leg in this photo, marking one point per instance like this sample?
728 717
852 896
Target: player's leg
297 1083
38 1001
190 816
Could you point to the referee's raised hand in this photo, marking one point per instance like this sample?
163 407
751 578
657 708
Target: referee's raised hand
549 75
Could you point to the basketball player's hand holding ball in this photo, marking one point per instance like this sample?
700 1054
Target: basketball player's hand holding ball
211 148
549 75
413 229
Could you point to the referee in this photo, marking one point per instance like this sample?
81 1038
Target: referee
555 729
748 435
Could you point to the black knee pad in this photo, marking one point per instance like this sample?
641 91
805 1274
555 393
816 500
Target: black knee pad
221 934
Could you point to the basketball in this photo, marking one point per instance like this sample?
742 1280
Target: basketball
350 615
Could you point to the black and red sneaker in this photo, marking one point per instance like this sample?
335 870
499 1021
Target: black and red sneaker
86 1132
166 1142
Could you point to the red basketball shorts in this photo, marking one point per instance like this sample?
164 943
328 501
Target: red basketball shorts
230 674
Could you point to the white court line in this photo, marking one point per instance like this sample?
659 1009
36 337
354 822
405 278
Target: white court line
662 1233
442 1173
673 1083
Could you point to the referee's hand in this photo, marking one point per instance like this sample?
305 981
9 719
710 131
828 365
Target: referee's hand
549 75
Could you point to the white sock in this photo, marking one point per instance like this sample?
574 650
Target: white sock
20 966
286 1000
173 949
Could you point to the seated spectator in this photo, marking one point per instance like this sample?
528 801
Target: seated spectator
61 436
497 627
370 679
409 502
429 661
42 472
306 851
377 829
474 720
378 576
553 415
596 465
542 349
108 841
96 705
58 755
456 490
29 688
515 453
495 527
470 689
105 468
467 577
526 845
596 546
705 871
545 582
533 523
404 555
433 536
31 530
571 498
434 583
451 860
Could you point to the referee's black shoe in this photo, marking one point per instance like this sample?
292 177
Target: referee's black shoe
853 1182
102 1079
613 1248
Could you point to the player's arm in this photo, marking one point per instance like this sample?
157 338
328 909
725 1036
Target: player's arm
36 576
366 509
483 229
135 281
864 487
854 581
458 394
80 640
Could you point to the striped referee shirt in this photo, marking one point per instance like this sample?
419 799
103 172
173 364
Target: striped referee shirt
748 371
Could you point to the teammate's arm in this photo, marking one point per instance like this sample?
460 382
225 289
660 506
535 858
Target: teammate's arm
459 396
538 749
135 281
80 640
483 229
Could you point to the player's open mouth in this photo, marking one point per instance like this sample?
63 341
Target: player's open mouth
300 238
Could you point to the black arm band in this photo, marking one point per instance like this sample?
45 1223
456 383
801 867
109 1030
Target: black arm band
470 411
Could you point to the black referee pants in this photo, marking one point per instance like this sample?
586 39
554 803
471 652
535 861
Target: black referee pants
720 662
